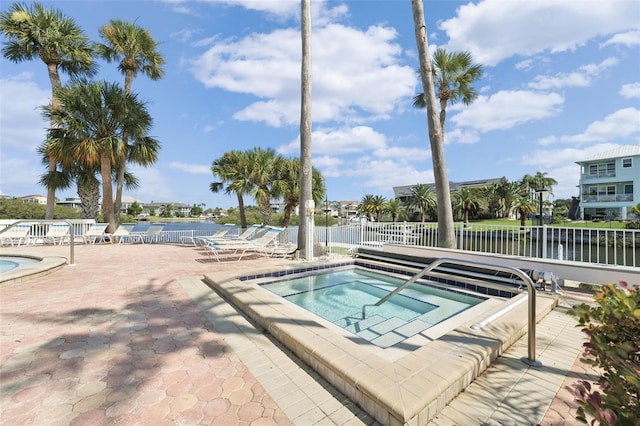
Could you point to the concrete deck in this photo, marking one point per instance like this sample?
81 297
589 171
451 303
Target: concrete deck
130 335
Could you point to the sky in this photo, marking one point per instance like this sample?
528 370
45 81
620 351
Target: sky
561 83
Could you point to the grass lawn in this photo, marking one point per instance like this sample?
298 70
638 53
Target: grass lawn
567 224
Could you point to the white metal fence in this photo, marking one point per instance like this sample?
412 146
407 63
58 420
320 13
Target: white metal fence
591 245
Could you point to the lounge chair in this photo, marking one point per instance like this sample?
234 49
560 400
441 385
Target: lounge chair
150 235
57 233
236 252
122 233
15 234
96 232
153 233
250 233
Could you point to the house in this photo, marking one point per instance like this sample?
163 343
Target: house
35 199
610 183
402 193
72 202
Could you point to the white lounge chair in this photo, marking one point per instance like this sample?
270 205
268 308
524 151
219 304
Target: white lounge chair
236 252
15 234
250 233
122 233
96 232
57 233
150 235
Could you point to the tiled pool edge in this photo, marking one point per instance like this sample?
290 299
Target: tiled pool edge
47 265
411 390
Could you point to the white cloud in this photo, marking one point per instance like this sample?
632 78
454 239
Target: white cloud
581 78
340 141
630 91
195 169
23 127
496 29
624 123
507 109
154 185
342 90
381 175
628 39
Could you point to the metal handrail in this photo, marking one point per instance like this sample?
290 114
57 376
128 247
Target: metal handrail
71 232
531 292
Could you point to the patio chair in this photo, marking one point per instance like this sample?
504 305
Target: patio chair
15 234
255 245
122 233
57 233
152 234
95 233
251 232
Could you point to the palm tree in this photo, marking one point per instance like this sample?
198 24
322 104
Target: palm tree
366 205
98 113
467 200
395 208
378 204
454 74
287 187
524 206
231 168
263 166
446 236
46 33
306 178
422 199
136 51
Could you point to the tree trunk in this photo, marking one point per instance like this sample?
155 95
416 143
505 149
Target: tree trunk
89 193
446 236
107 191
243 214
54 79
305 126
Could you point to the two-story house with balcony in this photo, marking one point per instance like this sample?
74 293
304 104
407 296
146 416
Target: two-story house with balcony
610 183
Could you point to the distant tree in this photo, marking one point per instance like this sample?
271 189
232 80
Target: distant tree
467 200
365 208
421 198
286 186
525 205
232 170
40 32
395 208
134 209
263 166
196 211
167 211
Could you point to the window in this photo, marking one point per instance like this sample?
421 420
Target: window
628 188
627 162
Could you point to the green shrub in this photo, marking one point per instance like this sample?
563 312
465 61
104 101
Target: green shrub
613 329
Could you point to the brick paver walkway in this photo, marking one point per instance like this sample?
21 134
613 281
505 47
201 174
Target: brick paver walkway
115 340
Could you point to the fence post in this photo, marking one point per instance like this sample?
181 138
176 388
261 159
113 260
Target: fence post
461 238
544 241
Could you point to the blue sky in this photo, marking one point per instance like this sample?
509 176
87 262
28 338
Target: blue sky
561 83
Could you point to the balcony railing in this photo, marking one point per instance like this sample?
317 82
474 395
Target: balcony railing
607 198
599 175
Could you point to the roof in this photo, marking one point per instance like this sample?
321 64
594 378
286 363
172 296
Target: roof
453 186
623 151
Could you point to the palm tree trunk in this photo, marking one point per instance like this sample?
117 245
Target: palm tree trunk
107 191
305 127
243 215
54 79
446 236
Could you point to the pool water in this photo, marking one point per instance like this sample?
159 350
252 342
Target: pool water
10 263
339 297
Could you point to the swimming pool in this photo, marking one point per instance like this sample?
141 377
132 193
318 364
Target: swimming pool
347 299
408 382
9 263
17 268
